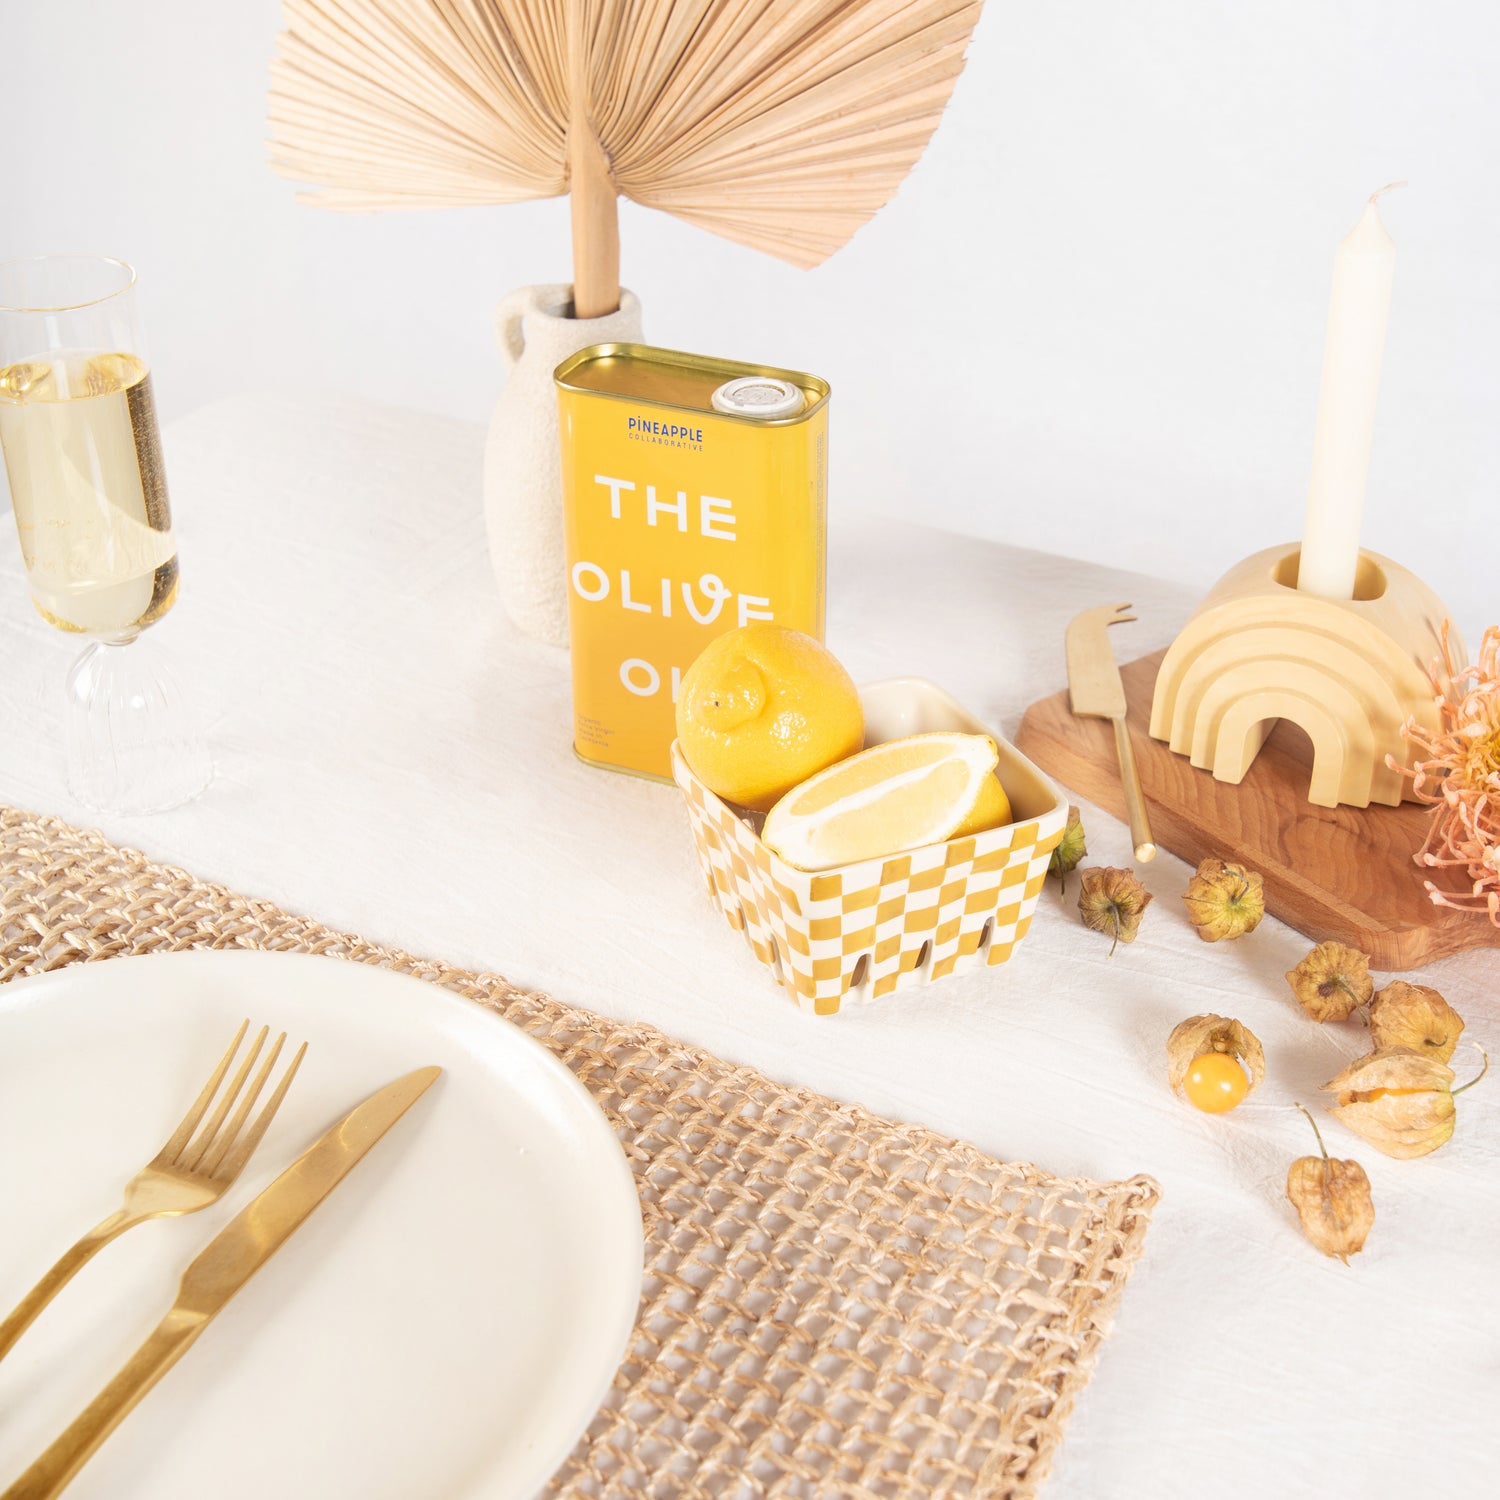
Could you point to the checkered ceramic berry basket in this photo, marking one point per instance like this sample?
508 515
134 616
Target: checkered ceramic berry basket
865 930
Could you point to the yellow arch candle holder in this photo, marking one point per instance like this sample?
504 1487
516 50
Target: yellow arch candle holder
1348 672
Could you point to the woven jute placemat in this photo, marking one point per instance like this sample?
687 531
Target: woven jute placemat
834 1304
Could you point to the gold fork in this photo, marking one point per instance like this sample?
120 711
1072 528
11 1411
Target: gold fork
187 1174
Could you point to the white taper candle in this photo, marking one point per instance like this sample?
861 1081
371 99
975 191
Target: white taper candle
1357 316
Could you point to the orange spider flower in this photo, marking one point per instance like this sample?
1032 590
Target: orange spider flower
1457 772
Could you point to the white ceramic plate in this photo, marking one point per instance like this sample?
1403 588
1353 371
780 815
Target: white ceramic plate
444 1326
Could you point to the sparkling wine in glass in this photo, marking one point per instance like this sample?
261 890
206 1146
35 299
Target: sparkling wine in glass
83 459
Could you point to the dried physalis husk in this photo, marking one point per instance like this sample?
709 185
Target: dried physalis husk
1398 1100
1190 1039
1332 982
1412 1015
1070 849
1332 1198
1112 902
1224 900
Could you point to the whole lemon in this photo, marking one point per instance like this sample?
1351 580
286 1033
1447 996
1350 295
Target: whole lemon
762 709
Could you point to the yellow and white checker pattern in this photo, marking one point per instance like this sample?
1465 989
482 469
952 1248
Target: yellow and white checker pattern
869 929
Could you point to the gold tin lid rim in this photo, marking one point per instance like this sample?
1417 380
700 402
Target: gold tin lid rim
727 369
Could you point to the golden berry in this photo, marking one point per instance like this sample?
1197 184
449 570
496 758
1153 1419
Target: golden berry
1215 1083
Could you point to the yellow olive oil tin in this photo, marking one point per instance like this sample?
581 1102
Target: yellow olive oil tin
694 501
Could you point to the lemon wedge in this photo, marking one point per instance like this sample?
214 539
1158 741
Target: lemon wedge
991 809
899 795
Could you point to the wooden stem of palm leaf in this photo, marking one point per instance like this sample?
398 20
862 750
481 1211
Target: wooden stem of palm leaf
780 124
591 189
596 224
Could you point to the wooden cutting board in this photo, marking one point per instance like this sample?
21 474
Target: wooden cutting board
1330 872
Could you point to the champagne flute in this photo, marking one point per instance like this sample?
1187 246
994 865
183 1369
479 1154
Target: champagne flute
83 458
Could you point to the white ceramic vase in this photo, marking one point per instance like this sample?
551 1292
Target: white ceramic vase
522 465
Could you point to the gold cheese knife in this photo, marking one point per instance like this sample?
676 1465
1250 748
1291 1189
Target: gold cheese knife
233 1256
1096 691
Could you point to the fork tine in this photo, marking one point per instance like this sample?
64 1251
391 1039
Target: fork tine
200 1104
230 1133
230 1168
189 1160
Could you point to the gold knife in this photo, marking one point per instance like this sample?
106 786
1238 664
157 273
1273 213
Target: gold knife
232 1257
1095 690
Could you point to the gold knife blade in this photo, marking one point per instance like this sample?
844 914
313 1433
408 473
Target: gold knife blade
1095 690
230 1259
1094 685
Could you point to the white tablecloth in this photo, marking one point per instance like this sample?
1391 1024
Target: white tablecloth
394 759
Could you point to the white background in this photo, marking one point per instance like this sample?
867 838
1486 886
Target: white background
1091 321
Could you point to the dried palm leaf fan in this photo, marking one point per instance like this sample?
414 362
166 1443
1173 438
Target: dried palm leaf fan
782 124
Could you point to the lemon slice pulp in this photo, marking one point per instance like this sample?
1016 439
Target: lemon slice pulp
896 796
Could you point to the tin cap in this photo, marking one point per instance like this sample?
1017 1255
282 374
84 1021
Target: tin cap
759 396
